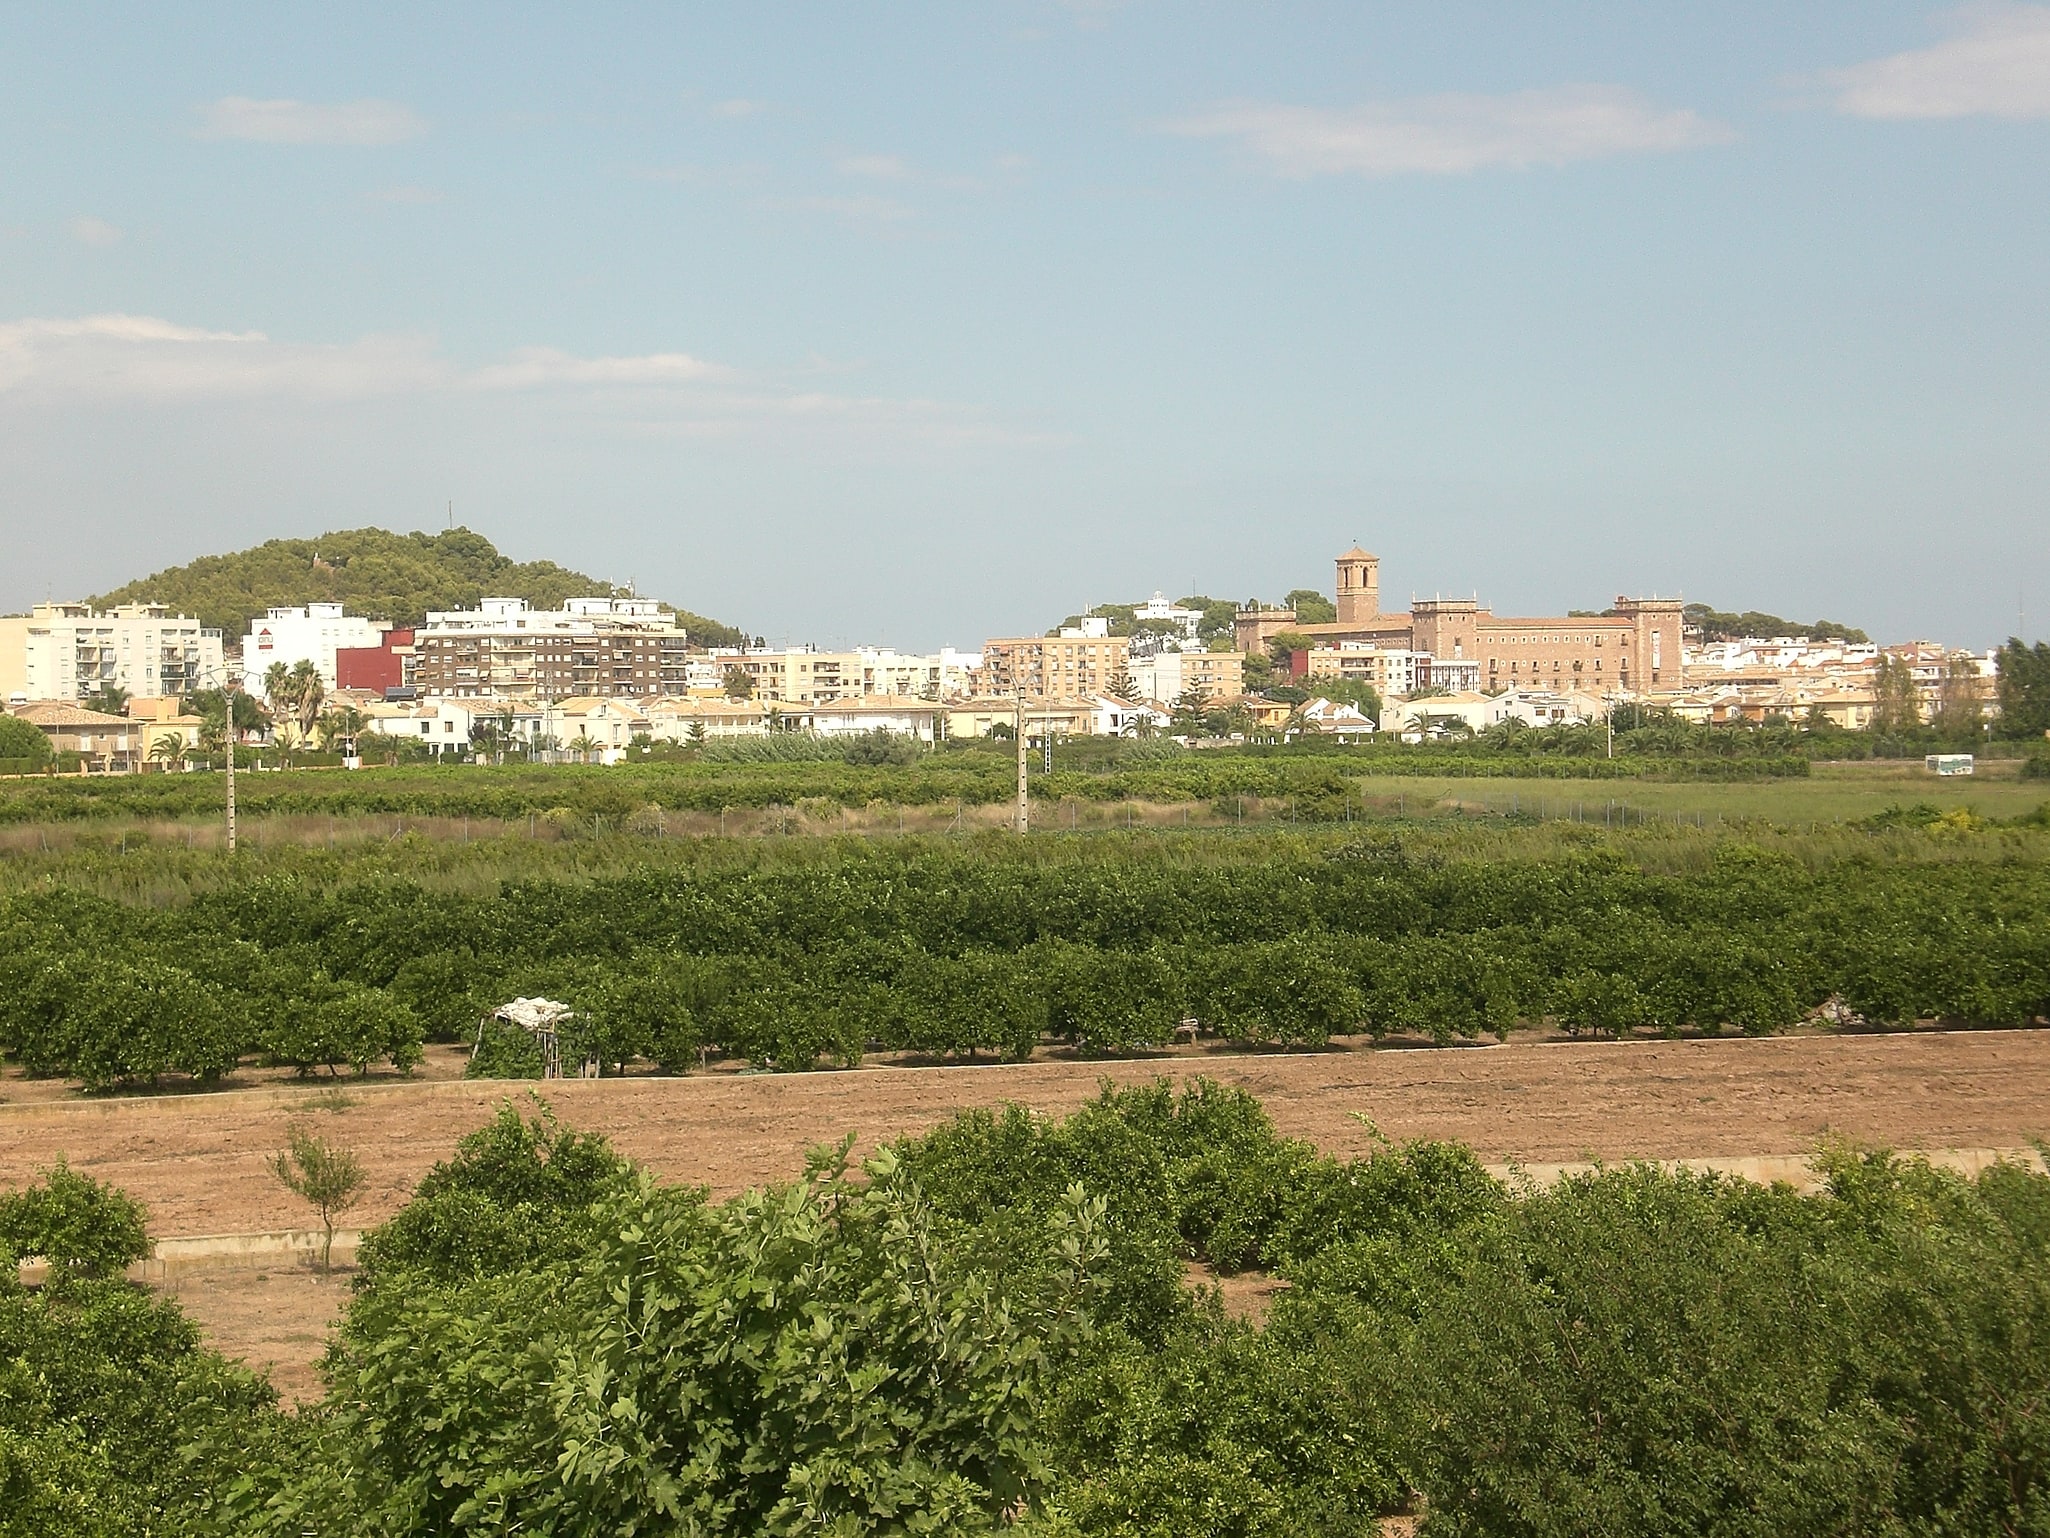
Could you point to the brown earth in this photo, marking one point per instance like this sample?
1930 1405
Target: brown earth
198 1161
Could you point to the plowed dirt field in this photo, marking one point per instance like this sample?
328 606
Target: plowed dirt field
198 1161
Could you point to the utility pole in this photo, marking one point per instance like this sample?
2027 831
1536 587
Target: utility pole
228 704
1018 730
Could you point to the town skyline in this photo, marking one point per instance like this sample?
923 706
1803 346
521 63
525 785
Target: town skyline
1046 301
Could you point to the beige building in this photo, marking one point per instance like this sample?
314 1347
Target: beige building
1054 667
1634 648
1166 676
163 718
800 675
67 651
1063 717
103 742
1388 670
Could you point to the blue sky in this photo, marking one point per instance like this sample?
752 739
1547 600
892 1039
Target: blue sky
919 324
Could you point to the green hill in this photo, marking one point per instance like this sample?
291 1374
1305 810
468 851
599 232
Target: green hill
396 577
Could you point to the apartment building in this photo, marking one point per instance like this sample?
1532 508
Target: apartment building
938 675
68 651
1054 667
312 634
1391 671
595 647
1167 675
800 675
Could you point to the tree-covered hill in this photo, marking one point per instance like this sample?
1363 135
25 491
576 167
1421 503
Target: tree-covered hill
398 577
1716 625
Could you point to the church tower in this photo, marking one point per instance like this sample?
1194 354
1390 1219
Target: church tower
1359 587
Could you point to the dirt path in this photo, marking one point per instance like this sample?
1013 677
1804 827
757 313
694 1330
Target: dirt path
198 1161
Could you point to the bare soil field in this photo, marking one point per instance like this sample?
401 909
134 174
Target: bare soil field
198 1161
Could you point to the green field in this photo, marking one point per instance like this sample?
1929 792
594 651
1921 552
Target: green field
1831 793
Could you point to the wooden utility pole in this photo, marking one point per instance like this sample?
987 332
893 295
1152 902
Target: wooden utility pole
1018 730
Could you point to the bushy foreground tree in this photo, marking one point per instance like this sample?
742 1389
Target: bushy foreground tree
993 1326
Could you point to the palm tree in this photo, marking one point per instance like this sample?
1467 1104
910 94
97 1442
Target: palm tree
167 747
583 745
340 723
308 693
277 689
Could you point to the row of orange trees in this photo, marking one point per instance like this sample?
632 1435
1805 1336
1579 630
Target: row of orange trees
940 950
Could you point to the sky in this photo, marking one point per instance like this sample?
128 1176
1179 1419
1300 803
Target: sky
918 324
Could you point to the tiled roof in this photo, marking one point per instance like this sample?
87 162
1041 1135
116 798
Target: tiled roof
61 713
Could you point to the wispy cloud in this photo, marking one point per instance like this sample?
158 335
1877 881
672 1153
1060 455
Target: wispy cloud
1996 65
145 361
1453 134
303 122
738 106
540 367
88 231
100 357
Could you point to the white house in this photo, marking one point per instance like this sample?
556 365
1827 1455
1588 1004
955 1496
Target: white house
1334 720
310 634
899 714
1113 717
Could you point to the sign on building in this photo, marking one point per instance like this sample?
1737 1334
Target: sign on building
1948 763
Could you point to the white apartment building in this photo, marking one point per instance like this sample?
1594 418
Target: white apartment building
67 651
311 634
803 675
940 675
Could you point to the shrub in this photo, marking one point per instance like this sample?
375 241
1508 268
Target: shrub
81 1227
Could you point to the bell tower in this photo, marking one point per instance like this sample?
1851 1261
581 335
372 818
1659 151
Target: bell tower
1358 593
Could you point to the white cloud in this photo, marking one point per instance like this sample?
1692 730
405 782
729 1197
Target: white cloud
1997 65
304 122
142 360
538 367
1453 134
738 106
88 231
141 357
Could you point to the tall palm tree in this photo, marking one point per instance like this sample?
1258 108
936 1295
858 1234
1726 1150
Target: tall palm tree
277 690
168 747
307 696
